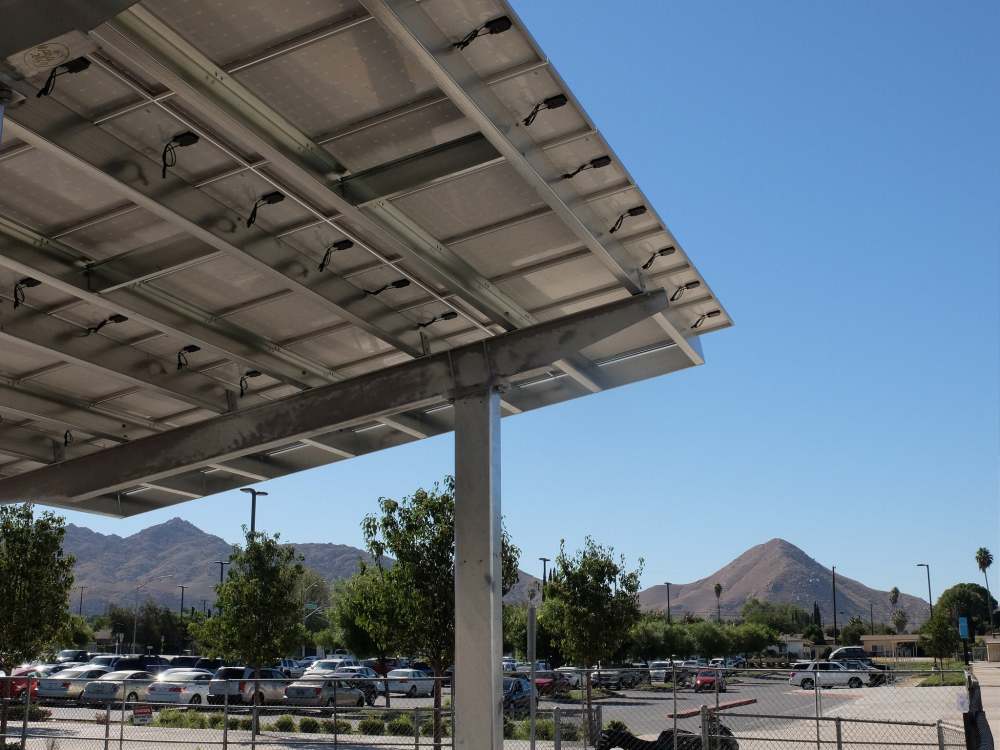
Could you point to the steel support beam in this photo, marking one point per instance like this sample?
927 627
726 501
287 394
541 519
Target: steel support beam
321 410
413 28
478 574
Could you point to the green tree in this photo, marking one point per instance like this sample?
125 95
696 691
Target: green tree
314 597
969 600
893 597
418 532
718 601
75 632
984 559
899 620
939 635
592 604
710 639
158 628
515 630
646 637
35 580
258 610
814 633
817 618
677 641
850 634
751 638
780 617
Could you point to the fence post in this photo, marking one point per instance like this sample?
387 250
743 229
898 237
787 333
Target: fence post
107 724
718 676
27 710
416 727
673 683
598 710
336 738
940 734
704 727
840 737
819 710
121 721
254 717
225 718
557 731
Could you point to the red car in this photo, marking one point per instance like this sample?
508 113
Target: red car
20 678
705 680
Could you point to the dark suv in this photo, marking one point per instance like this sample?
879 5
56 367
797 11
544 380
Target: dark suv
849 652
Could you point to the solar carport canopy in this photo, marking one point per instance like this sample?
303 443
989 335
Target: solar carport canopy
240 239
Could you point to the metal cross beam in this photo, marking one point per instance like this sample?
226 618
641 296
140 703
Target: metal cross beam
321 410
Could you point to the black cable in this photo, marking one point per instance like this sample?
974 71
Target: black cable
634 211
78 65
600 161
683 288
449 315
397 284
245 382
110 319
169 156
264 200
336 247
495 26
658 254
553 102
26 283
705 316
67 438
182 361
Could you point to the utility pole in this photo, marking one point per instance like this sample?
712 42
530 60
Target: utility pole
182 587
253 505
930 600
204 606
222 566
667 584
871 616
80 608
545 562
834 573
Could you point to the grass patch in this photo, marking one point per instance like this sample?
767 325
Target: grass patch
580 696
945 678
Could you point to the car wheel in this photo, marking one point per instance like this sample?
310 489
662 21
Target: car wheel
195 700
808 684
412 692
854 682
132 697
361 702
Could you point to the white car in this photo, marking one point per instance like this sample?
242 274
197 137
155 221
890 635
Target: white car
182 686
327 667
810 674
128 684
69 683
571 676
660 671
410 682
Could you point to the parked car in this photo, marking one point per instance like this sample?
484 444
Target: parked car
572 676
849 652
189 687
706 679
211 665
874 674
104 660
72 654
616 677
808 675
330 665
660 671
516 696
182 660
365 679
323 692
238 684
69 683
25 678
129 685
410 682
289 667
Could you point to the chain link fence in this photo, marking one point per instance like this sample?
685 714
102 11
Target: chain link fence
683 706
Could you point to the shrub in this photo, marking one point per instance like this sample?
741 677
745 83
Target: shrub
169 717
545 729
387 715
509 729
336 727
401 726
284 723
371 725
246 724
15 712
215 721
569 732
233 722
616 726
195 720
308 724
427 728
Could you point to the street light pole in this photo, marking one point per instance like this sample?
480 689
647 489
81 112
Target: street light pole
834 574
930 600
253 505
871 616
182 587
545 562
222 566
80 609
667 584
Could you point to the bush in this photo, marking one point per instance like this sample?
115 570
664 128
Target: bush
387 715
15 712
215 721
336 727
308 724
234 722
427 728
545 729
371 725
569 732
401 726
195 720
509 728
246 724
284 723
169 717
616 726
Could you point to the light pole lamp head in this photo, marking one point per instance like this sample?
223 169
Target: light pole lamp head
252 491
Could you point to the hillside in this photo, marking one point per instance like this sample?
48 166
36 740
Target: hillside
110 567
778 571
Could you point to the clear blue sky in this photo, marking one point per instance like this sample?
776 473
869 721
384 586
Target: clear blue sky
833 170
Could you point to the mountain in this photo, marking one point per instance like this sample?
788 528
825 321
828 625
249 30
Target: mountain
778 571
110 567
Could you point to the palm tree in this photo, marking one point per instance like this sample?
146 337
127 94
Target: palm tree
894 596
718 603
984 559
899 620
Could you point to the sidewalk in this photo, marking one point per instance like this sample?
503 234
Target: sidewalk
988 674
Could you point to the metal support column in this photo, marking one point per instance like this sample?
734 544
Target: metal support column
478 642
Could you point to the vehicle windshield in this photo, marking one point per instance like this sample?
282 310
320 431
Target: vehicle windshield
706 673
67 653
178 676
508 685
71 673
399 673
229 673
124 675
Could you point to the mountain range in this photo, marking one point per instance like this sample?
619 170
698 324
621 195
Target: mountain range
110 567
778 571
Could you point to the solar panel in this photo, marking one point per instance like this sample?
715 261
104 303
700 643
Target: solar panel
237 202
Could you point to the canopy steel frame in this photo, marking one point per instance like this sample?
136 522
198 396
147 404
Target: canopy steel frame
469 368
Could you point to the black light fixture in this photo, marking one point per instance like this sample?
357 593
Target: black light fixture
265 200
182 360
634 211
26 283
598 163
449 315
245 381
494 26
67 439
658 254
116 318
679 292
705 316
397 284
553 102
336 247
169 156
78 65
